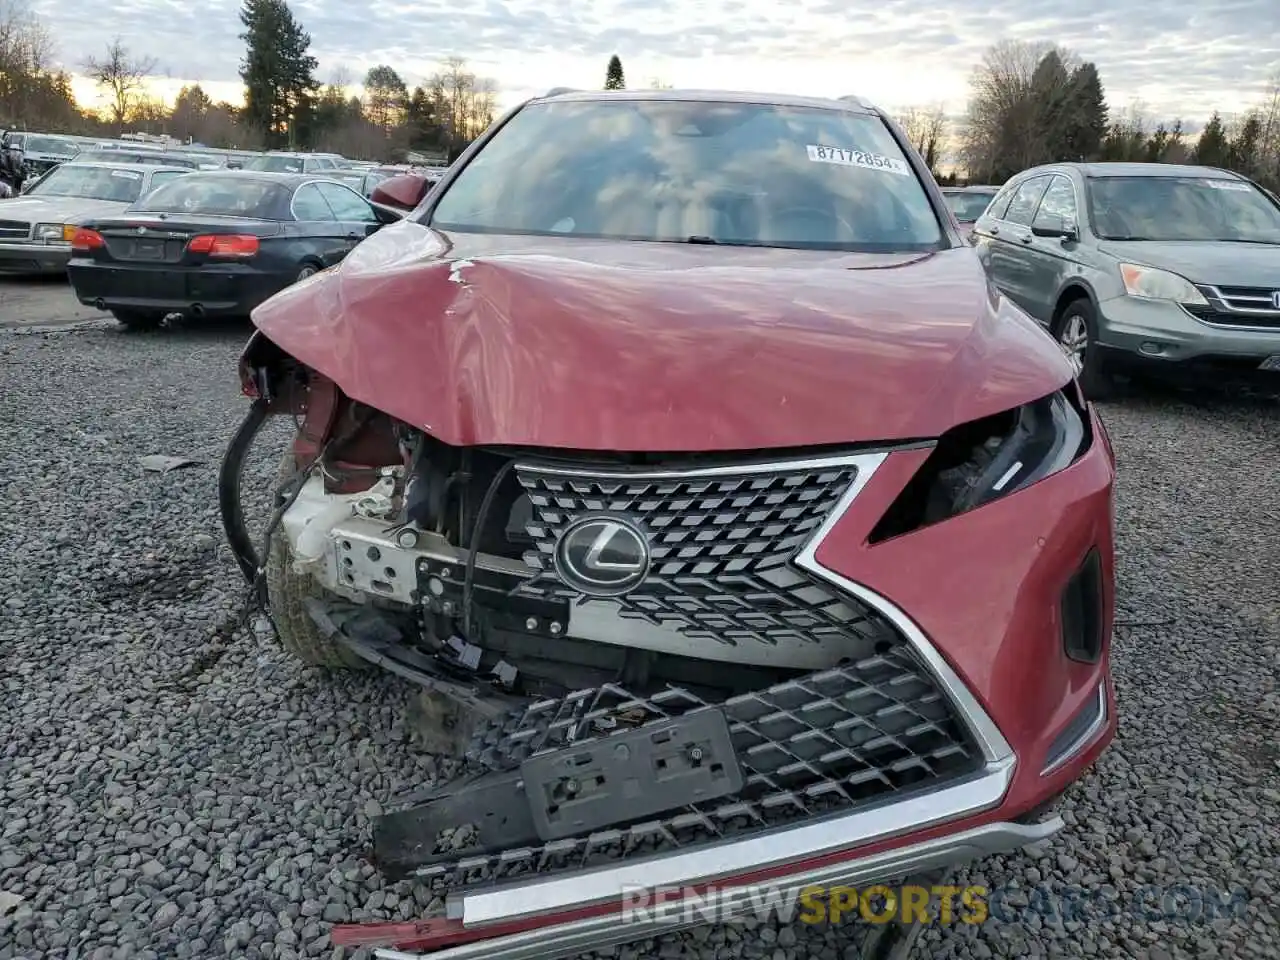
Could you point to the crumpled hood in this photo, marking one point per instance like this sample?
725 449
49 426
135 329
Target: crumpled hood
56 209
589 345
1221 262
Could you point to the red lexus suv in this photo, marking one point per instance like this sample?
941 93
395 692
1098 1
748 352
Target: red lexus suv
737 529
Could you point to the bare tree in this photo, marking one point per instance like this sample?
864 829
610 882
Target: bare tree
926 129
1000 126
464 102
1269 134
122 77
26 50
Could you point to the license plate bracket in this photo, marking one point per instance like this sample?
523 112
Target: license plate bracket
631 775
148 249
1271 363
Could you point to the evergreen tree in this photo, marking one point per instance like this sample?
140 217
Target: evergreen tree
1050 106
425 132
386 97
278 74
1086 126
1212 149
613 79
1244 150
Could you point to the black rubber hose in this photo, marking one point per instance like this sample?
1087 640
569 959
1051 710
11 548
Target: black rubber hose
229 476
473 545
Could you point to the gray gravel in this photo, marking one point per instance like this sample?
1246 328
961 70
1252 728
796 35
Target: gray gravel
171 787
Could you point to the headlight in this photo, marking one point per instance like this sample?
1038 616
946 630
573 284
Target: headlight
982 461
1149 283
53 232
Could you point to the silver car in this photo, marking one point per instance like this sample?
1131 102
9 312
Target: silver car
1141 266
36 228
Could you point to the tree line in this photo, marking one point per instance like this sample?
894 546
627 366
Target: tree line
1039 103
1029 103
285 105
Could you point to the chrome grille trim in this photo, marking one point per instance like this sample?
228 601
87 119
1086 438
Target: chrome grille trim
1244 308
15 230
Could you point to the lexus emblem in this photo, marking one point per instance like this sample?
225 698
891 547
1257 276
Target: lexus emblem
141 231
1275 299
602 556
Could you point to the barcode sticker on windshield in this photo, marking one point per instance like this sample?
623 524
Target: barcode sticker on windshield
126 174
1228 185
857 158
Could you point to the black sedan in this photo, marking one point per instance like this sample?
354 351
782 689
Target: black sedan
217 244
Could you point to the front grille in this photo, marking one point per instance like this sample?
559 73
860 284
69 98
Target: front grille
817 746
14 230
721 545
1249 298
876 726
1238 307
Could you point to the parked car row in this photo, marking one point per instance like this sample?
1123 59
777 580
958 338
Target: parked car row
43 152
1138 268
144 241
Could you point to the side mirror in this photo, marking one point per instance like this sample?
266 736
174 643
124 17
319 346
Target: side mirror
387 214
1064 228
402 193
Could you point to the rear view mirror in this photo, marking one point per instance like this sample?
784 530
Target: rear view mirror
403 192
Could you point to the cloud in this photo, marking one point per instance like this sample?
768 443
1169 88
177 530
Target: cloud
1181 58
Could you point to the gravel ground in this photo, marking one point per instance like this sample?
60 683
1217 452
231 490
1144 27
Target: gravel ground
172 787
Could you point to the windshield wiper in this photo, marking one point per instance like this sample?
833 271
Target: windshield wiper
713 242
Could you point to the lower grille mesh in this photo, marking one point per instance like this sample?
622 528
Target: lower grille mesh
821 744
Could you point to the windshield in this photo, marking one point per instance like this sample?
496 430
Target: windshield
94 183
695 171
219 197
1181 208
275 164
63 148
969 205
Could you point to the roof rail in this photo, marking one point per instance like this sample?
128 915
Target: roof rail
556 91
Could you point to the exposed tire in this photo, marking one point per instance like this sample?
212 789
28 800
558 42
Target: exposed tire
138 319
308 270
287 593
1076 331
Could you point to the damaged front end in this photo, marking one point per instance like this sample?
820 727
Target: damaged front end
649 676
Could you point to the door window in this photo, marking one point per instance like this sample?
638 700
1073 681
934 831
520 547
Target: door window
1000 204
1025 200
308 204
347 205
1058 204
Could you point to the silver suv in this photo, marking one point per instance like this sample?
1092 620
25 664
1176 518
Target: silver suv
1141 266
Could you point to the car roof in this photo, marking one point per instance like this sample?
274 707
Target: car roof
1119 168
849 104
285 178
108 165
973 187
289 180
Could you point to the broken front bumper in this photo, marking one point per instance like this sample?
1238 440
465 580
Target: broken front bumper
543 920
530 891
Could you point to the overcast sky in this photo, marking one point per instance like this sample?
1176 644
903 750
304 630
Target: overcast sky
1180 57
